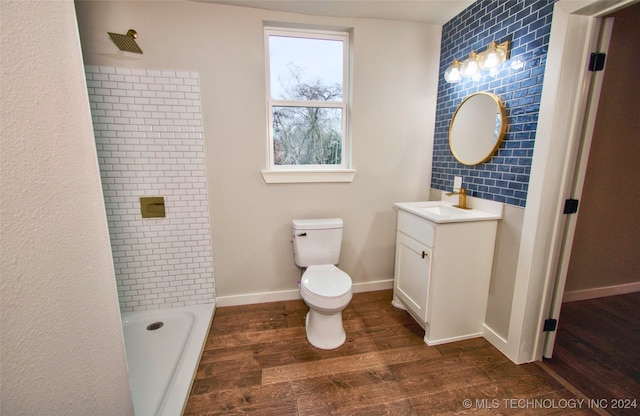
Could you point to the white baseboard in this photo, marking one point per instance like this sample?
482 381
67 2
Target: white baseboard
453 339
372 286
600 292
262 297
496 340
282 295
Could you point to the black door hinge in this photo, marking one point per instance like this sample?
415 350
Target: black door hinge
550 325
596 62
570 206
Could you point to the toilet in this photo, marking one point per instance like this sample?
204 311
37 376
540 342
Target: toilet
324 287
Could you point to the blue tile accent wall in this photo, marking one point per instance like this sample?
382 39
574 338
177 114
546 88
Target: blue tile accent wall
526 24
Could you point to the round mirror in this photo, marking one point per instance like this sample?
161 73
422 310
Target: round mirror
477 128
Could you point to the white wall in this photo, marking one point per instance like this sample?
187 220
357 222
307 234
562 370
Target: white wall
394 93
62 348
505 263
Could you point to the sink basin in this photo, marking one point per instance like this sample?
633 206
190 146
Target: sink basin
443 212
446 211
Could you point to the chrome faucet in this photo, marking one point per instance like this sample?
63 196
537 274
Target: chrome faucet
462 198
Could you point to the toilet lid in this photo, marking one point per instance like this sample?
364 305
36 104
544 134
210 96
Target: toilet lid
326 280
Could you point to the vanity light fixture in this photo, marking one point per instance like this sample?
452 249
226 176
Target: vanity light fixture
472 67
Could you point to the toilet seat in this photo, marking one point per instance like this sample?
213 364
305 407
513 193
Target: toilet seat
326 280
326 287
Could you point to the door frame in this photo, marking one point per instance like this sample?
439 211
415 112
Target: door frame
574 34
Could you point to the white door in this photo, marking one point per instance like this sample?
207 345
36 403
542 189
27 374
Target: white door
578 183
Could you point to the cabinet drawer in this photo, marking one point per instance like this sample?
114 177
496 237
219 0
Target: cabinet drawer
416 227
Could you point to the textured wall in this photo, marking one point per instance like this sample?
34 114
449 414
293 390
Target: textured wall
526 24
62 347
148 130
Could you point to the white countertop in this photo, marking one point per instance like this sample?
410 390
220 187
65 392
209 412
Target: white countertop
446 212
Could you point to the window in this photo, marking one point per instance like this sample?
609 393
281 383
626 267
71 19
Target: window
307 93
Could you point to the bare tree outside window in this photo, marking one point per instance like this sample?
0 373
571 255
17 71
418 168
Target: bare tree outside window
307 135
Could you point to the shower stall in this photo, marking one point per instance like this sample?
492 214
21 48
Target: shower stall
149 139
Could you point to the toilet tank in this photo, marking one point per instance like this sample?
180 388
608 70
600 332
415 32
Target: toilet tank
316 241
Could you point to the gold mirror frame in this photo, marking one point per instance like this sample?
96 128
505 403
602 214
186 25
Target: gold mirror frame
474 136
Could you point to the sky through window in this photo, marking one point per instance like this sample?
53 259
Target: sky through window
312 60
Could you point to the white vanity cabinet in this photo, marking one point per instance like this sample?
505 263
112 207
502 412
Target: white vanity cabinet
442 273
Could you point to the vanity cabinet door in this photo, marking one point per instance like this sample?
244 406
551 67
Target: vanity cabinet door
412 274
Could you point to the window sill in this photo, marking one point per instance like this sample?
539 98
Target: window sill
308 176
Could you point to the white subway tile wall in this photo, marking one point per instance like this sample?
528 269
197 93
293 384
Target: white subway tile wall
149 137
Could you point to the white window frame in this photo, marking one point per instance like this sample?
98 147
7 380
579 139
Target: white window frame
309 173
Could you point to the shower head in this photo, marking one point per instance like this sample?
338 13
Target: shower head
126 42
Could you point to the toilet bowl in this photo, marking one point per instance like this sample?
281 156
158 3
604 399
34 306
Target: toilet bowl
324 287
327 291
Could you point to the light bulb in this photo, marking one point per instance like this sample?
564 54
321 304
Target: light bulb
452 74
493 56
470 66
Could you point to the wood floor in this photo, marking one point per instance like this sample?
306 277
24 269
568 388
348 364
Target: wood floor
257 361
598 348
